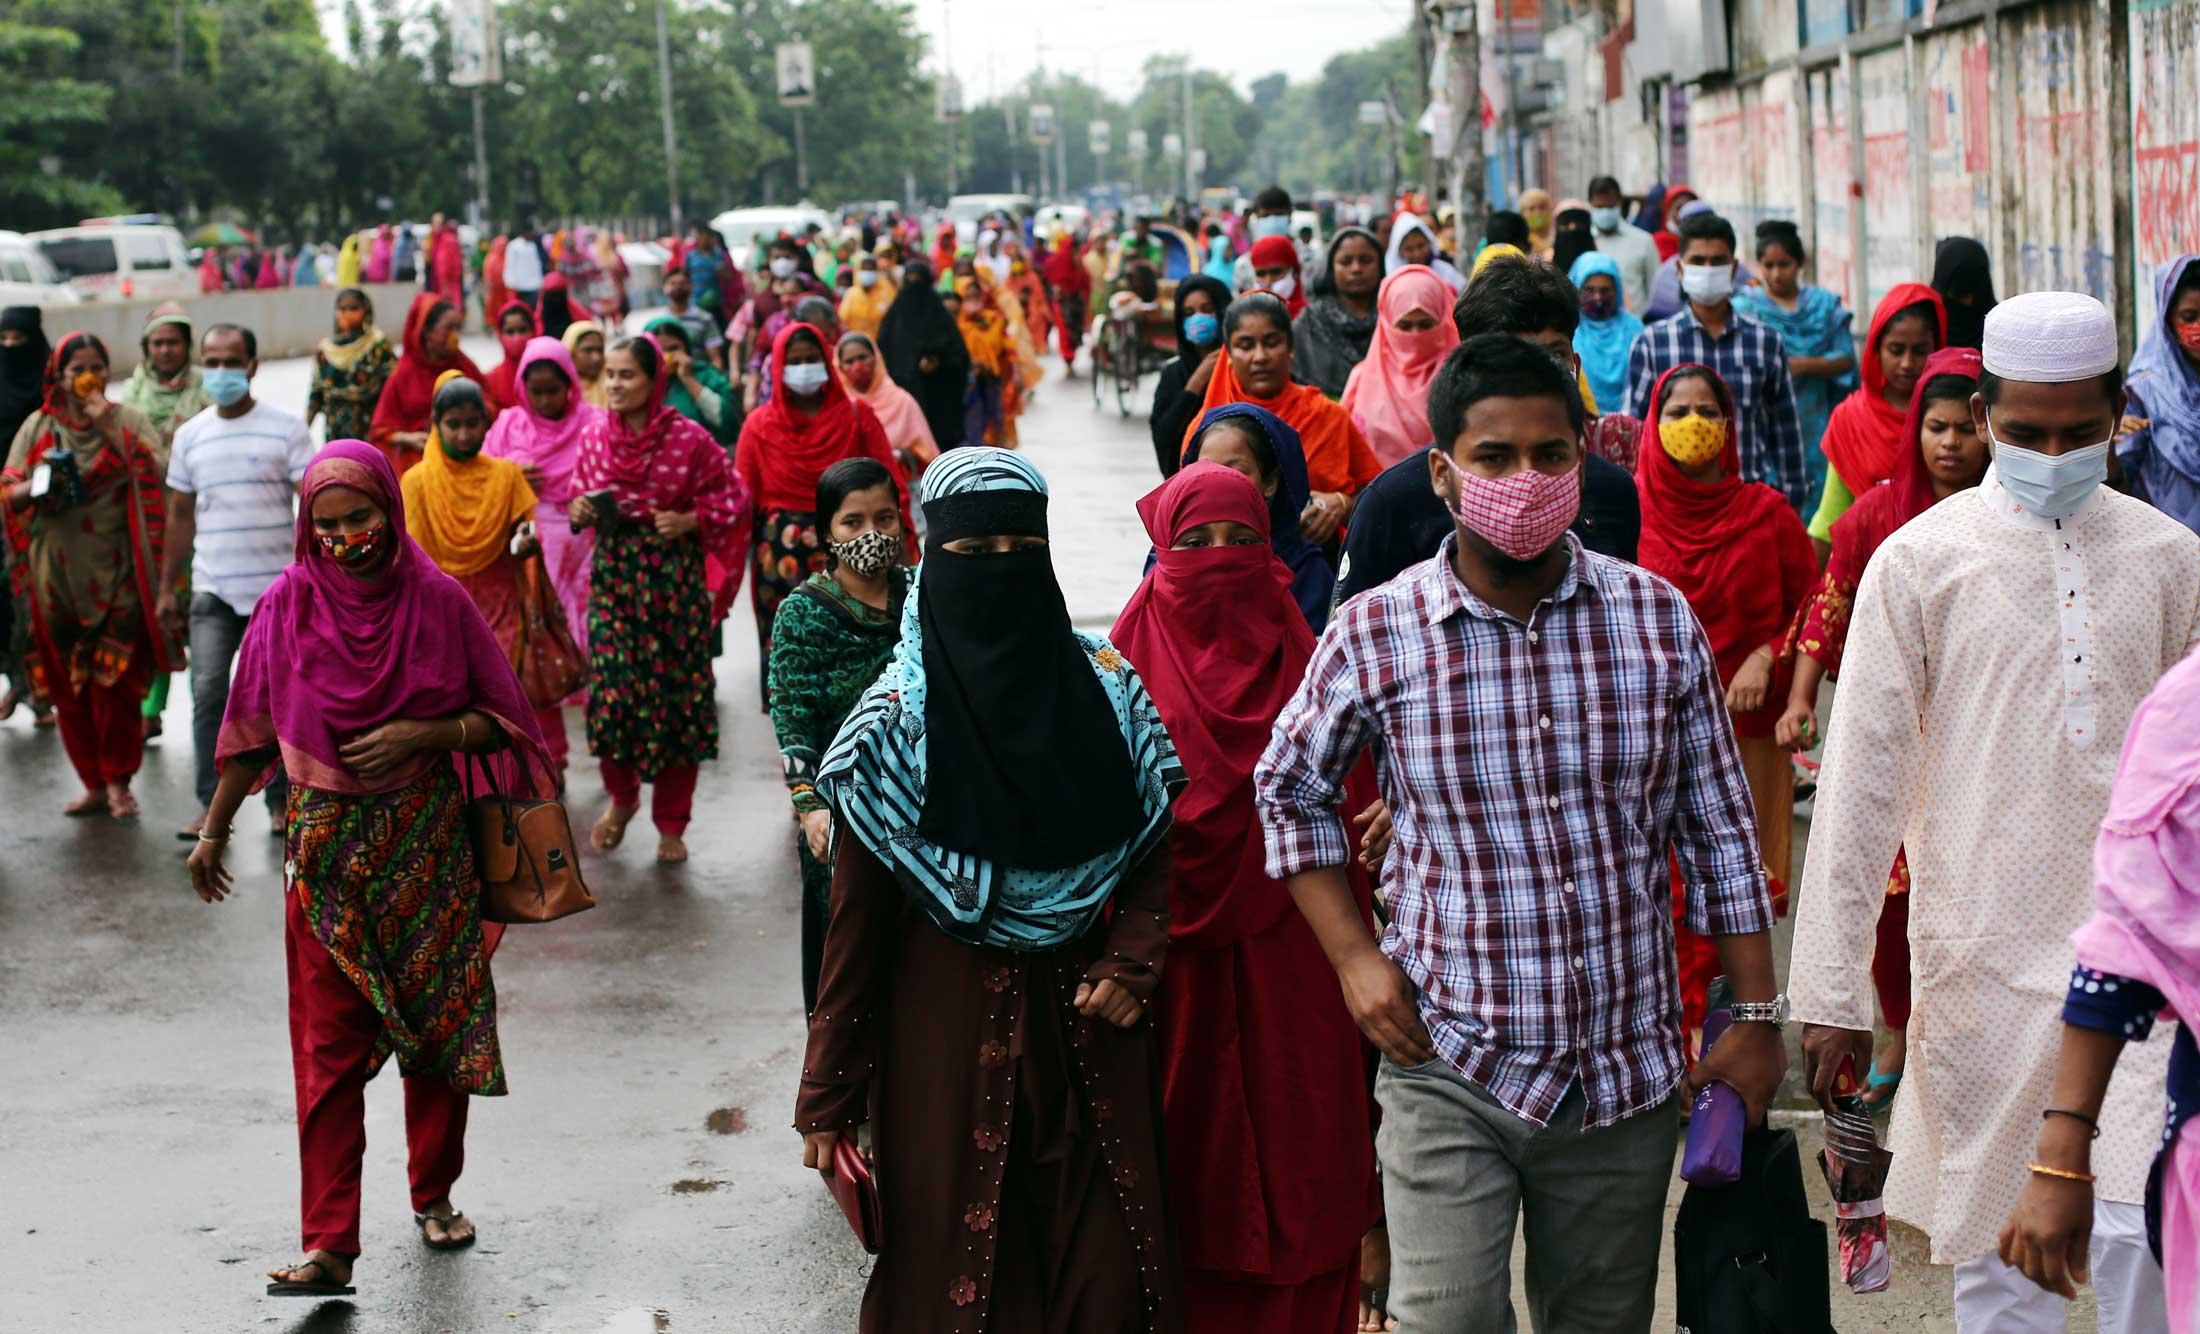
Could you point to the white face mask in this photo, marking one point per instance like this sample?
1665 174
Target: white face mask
1284 286
1605 219
782 266
867 277
1707 284
1270 224
2049 486
804 379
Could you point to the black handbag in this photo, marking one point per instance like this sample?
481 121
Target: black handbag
1747 1256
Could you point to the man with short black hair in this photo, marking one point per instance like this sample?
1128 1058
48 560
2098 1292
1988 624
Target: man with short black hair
1998 647
1399 521
232 477
1547 726
1750 357
1629 246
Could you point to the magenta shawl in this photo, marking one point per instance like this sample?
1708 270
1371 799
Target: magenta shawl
2146 920
671 463
553 448
329 655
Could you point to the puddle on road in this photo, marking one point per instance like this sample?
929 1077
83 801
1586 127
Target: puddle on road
638 1320
695 1186
726 1121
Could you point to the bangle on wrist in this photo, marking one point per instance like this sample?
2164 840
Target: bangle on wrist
216 839
2061 1174
462 731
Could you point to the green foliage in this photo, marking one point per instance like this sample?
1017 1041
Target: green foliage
41 110
1311 137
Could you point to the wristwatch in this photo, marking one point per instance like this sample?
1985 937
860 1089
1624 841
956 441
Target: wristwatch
1773 1012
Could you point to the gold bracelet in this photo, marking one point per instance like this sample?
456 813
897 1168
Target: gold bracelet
462 731
2044 1170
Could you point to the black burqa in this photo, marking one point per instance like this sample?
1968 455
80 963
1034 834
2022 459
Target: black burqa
1027 759
1173 407
917 326
1575 236
22 370
1327 339
1964 277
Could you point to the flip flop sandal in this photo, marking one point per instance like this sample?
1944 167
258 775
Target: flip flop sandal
421 1221
1876 1081
1379 1298
321 1287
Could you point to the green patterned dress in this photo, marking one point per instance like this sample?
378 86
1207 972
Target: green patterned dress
826 647
652 700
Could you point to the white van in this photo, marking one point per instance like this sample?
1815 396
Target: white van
746 231
119 262
965 211
26 279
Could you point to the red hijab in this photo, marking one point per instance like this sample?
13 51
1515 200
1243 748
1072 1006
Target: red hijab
784 450
1864 436
1734 549
409 393
1218 640
499 382
1908 492
671 463
1274 251
1665 238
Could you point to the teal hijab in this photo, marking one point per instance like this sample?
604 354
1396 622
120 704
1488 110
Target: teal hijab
877 773
1603 344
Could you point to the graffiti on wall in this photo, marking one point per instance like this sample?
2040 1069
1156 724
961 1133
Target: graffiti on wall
1890 220
1959 134
2056 183
1834 182
2165 142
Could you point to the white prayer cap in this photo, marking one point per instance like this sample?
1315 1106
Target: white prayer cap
2049 338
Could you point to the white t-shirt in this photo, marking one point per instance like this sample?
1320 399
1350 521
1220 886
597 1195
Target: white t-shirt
243 473
522 265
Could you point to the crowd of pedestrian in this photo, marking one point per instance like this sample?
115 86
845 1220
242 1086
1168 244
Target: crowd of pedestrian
1266 962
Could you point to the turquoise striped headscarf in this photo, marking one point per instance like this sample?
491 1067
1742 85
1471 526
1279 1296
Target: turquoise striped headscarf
875 775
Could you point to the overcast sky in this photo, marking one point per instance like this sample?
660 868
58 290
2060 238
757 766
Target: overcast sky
1108 40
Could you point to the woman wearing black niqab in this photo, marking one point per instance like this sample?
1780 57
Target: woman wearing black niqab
1964 277
923 350
23 353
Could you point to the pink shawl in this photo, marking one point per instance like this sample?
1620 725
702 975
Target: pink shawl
671 463
553 448
2146 920
330 655
377 267
1387 395
896 409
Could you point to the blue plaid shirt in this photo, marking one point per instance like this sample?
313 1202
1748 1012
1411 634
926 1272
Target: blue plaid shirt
1537 775
1753 361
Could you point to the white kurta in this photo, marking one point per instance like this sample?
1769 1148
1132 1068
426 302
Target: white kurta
1993 663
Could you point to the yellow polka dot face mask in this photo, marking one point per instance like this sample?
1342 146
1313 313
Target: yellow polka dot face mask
1692 441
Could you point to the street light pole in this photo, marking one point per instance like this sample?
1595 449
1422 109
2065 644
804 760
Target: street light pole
1463 57
664 102
801 158
481 165
1191 186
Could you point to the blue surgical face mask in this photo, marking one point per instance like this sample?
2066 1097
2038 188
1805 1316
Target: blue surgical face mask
2049 486
807 378
1202 329
1273 224
1605 219
226 385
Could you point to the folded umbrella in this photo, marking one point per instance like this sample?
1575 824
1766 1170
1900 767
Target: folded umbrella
1856 1166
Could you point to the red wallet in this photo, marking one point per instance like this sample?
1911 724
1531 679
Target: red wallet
857 1190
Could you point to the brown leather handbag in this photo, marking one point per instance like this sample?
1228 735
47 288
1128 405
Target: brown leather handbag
523 849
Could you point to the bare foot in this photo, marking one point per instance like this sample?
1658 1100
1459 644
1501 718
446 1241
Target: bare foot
610 831
671 851
120 804
91 803
1375 1281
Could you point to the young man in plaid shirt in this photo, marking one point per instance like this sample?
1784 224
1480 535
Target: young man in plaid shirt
1546 724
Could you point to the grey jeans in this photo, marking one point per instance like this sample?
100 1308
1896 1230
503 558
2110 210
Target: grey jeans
216 631
1459 1171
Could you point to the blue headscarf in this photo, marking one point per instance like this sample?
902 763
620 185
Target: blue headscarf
2165 390
1604 344
1220 265
1651 216
1312 581
877 774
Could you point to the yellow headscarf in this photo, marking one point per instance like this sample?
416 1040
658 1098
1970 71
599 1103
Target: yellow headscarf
1505 251
462 514
347 262
593 392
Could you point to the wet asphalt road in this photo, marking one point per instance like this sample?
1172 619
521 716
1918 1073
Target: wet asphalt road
640 1176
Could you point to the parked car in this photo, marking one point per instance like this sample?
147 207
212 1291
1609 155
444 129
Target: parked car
115 262
27 278
746 231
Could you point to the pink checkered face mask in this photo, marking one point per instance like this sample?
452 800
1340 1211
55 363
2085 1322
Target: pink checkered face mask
1521 514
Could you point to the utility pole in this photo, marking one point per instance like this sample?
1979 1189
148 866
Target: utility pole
1463 57
664 108
1516 168
947 89
481 165
1191 178
801 159
1426 18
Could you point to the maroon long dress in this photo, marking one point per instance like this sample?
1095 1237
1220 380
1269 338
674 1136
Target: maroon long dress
1017 1151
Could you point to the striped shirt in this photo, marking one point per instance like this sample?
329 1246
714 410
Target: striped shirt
1753 361
1537 775
243 475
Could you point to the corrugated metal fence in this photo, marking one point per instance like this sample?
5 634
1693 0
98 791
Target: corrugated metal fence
2064 135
